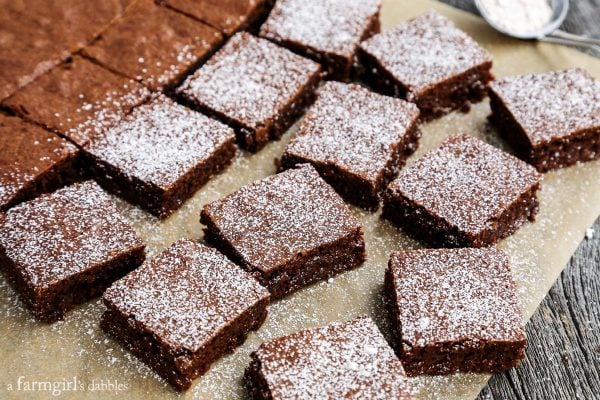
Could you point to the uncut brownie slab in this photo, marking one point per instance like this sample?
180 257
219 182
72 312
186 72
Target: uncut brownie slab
132 47
255 86
430 62
343 360
466 193
32 161
184 309
77 99
160 154
357 140
454 310
552 120
327 31
64 248
288 229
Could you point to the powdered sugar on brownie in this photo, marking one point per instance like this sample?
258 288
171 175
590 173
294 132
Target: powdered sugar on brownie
185 295
554 105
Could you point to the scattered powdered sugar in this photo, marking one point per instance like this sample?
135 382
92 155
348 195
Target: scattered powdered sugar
551 106
186 295
333 26
522 17
353 128
424 51
249 79
589 233
342 360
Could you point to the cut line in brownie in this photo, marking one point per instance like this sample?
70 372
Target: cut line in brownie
342 360
328 32
132 47
255 86
430 62
552 120
357 140
33 161
64 248
466 193
454 310
183 310
77 99
288 230
160 154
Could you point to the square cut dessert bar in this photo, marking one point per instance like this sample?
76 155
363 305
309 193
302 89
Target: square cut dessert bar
552 120
357 140
288 229
160 154
329 32
430 62
466 193
64 248
184 309
77 99
255 86
132 47
454 310
33 161
342 360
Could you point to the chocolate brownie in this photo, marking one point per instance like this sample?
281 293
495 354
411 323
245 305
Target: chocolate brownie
255 86
342 360
327 31
64 248
288 229
77 99
430 62
454 310
465 193
32 161
357 140
552 120
132 47
183 310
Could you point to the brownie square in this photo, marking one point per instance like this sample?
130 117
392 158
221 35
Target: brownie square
132 47
454 310
327 31
183 310
32 161
77 99
64 248
160 154
288 229
465 193
255 86
357 140
552 120
430 62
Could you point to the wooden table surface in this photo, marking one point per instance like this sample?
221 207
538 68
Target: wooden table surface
563 356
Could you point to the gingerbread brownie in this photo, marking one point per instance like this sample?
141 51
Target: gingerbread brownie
64 248
132 47
552 120
32 161
160 154
454 310
342 360
327 31
430 62
465 193
288 229
255 86
357 140
77 99
183 310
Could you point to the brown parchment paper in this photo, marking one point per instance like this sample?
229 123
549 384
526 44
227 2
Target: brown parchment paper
74 359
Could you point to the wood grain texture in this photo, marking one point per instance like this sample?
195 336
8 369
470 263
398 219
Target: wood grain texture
563 357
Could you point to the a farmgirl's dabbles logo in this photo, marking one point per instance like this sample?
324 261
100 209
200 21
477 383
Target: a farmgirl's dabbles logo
62 386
